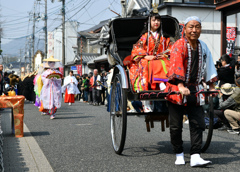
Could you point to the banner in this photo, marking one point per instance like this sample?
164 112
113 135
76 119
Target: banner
181 30
50 44
79 69
61 70
231 38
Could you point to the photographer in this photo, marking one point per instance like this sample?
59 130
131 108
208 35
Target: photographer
226 70
233 114
226 91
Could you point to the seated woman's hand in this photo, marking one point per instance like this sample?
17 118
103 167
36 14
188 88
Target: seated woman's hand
150 57
161 56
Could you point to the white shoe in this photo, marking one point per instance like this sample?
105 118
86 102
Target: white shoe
180 159
69 104
197 161
162 86
43 113
52 116
132 111
146 106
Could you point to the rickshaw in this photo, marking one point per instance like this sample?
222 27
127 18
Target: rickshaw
124 32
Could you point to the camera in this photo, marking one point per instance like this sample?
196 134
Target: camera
218 64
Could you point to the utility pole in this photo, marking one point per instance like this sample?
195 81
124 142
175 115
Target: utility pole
45 23
63 36
20 61
81 50
33 38
0 39
1 31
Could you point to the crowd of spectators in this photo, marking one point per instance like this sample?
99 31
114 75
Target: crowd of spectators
93 88
227 103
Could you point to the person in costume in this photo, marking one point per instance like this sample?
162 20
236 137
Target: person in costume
70 88
28 90
38 86
191 64
150 59
51 96
1 79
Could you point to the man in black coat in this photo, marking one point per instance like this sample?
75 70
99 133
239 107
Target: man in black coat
227 70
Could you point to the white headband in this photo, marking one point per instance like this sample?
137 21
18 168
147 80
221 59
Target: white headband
192 18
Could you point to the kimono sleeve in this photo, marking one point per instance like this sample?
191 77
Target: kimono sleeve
66 80
169 45
176 71
210 75
139 49
75 81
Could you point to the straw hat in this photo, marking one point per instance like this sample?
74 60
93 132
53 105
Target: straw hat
227 89
51 59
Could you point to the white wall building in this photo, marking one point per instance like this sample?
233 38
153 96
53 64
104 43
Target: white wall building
71 34
205 10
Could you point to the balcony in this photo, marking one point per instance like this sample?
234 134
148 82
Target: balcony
196 2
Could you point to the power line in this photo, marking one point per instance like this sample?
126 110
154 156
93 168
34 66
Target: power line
79 10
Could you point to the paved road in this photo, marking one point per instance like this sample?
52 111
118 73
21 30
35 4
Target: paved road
79 140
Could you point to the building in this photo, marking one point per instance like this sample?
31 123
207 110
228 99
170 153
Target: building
204 9
227 8
71 36
90 49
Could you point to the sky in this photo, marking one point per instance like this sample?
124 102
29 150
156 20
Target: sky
16 15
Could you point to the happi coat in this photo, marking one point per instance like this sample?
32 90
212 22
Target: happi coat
70 83
51 95
149 72
180 69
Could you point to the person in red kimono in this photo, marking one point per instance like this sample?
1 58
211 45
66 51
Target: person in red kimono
150 59
191 64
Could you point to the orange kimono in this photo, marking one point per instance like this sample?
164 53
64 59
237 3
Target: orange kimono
149 72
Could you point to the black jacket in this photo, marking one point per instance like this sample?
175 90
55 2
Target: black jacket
226 75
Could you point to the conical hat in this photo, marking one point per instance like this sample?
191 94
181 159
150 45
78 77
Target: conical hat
51 59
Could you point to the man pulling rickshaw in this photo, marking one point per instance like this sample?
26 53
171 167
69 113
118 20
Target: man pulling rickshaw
160 69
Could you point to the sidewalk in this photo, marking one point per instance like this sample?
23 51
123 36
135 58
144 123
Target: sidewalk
21 154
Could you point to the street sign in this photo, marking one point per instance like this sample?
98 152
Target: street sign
73 68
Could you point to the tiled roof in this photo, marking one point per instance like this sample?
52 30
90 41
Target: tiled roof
89 35
88 57
98 26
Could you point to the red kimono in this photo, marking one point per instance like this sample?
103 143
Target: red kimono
181 67
144 72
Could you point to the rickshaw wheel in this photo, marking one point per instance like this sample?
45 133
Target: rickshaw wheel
118 115
207 134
